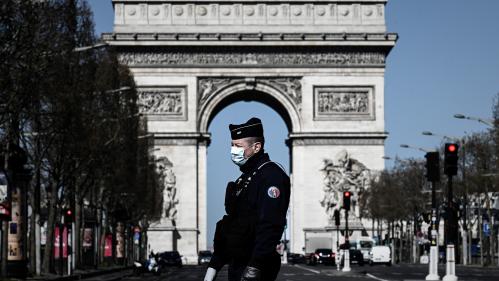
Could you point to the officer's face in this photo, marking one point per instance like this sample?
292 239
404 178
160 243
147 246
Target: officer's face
250 148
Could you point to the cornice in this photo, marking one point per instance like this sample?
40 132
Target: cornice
245 39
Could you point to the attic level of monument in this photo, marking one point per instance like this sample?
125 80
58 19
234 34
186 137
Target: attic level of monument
250 16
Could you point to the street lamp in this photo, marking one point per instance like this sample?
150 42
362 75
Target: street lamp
450 138
125 88
426 150
487 122
95 46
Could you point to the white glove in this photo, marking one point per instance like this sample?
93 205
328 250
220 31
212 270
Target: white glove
210 274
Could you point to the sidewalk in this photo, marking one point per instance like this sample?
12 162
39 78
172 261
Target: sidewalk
115 273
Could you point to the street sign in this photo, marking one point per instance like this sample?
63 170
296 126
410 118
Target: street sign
136 238
486 229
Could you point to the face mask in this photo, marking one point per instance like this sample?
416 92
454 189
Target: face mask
237 155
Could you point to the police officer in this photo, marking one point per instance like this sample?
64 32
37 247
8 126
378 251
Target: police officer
256 205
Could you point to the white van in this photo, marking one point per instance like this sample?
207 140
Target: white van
380 254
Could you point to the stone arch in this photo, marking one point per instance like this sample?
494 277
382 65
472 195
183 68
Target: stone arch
250 89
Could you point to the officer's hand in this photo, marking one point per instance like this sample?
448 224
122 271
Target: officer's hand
251 274
211 274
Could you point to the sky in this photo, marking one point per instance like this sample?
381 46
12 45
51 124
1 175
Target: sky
445 62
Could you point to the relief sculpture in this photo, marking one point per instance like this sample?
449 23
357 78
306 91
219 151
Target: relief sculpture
167 177
343 102
167 102
343 174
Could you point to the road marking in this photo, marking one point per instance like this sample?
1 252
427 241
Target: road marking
311 270
289 274
374 277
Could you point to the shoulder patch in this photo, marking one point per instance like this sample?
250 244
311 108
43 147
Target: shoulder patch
273 192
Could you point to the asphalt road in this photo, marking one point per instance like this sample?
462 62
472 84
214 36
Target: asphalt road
322 273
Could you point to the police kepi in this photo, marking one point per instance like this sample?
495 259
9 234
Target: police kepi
256 204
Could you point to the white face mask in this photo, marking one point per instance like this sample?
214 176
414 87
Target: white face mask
237 155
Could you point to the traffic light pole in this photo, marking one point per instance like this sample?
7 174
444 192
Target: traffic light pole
433 262
434 224
346 266
347 238
451 218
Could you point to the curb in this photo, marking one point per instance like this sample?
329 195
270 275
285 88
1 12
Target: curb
83 275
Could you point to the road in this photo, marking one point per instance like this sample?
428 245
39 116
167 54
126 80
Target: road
322 273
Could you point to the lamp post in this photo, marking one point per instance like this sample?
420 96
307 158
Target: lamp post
487 122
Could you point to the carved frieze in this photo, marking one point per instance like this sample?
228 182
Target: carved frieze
290 86
240 59
163 103
338 141
344 103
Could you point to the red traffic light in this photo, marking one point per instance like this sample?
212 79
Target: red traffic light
69 213
451 148
347 193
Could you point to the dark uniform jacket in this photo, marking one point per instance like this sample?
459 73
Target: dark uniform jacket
256 205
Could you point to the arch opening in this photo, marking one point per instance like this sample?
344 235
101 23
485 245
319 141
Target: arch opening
259 92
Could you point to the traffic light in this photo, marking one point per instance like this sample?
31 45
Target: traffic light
68 216
337 217
346 200
450 160
432 166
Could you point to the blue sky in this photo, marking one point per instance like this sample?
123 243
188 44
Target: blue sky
445 62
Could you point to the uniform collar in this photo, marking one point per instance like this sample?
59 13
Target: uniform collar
255 161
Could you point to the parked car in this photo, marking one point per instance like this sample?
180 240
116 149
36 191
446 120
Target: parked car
171 258
295 258
380 254
321 256
204 257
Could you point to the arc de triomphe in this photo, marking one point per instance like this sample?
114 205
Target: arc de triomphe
320 64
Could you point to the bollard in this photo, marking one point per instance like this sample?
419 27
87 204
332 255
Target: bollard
433 264
450 268
346 254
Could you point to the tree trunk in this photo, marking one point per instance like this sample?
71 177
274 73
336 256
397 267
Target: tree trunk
77 232
47 266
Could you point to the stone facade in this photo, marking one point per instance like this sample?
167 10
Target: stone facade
320 64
